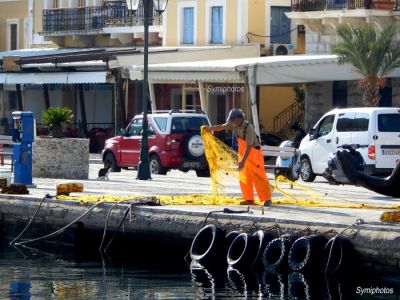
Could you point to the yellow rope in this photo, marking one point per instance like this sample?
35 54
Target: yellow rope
222 161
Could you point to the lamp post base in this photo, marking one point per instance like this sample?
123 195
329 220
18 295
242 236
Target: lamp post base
143 171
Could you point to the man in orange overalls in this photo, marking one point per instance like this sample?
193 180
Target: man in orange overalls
251 159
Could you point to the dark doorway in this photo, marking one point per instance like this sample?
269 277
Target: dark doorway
386 94
339 94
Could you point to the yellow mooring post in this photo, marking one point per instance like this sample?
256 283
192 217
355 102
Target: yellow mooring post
66 188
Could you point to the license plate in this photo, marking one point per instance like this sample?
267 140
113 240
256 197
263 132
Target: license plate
191 164
391 152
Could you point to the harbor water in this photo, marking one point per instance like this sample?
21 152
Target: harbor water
54 272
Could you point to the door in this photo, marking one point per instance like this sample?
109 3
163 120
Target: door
218 106
386 94
360 134
344 128
339 94
280 25
387 147
130 144
323 144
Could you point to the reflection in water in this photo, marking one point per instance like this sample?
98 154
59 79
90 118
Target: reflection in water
27 273
244 282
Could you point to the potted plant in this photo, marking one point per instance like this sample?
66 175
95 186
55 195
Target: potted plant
60 156
57 118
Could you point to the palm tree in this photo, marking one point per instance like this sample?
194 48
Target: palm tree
372 54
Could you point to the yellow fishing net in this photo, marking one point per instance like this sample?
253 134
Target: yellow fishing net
222 161
223 165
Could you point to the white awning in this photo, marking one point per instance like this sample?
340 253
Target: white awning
87 77
54 78
269 70
3 78
36 78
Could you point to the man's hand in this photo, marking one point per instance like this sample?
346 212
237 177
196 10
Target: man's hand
207 128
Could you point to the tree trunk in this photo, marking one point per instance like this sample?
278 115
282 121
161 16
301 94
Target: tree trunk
371 85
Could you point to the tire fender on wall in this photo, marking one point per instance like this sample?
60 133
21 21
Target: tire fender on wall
207 244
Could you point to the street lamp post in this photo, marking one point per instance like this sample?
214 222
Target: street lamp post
159 6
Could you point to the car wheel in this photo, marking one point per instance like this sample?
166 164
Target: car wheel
156 166
109 159
306 171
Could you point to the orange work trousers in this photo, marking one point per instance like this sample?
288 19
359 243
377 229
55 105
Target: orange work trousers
253 174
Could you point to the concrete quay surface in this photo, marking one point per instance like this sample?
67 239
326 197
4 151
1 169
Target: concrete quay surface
378 242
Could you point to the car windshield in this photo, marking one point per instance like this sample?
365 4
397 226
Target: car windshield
184 124
389 122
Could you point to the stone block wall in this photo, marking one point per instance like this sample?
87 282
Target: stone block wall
318 101
60 158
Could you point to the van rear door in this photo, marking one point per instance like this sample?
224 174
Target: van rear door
360 134
387 139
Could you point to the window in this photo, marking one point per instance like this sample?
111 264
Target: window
135 128
216 24
389 122
325 126
12 34
161 123
280 25
13 37
350 122
150 131
184 124
361 122
345 122
188 25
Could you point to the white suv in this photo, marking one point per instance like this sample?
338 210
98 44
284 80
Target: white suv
376 129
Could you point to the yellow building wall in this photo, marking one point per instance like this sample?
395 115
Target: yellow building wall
12 10
256 17
38 7
231 22
201 25
273 100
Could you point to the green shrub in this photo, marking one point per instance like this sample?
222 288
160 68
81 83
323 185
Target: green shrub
57 116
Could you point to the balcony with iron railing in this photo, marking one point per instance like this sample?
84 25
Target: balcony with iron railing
86 20
321 5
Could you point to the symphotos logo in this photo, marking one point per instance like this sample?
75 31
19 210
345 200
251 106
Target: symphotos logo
225 89
374 291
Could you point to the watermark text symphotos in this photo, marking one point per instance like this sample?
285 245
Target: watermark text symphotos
374 291
225 89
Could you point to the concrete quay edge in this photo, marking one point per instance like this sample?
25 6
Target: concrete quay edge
377 244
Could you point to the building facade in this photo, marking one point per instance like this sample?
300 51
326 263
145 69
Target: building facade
235 22
15 24
321 20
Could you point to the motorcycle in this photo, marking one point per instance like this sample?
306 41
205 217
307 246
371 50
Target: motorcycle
335 173
292 164
346 166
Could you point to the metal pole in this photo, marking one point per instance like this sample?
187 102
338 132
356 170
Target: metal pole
144 168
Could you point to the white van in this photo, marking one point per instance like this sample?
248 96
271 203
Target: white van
377 129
